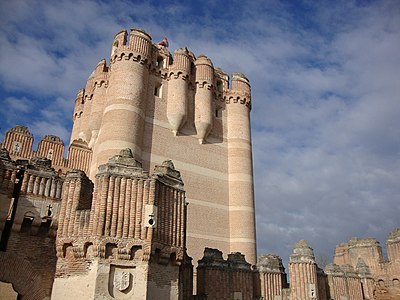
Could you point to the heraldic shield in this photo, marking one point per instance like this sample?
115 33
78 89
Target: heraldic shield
121 281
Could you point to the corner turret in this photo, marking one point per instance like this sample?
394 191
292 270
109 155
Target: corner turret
178 89
76 118
240 166
241 90
119 41
122 123
204 97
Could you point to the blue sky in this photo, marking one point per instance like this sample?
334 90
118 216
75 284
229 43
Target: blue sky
325 84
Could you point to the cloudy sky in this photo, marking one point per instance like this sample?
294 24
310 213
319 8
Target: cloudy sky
325 84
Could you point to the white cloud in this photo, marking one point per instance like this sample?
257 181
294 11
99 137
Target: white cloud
16 105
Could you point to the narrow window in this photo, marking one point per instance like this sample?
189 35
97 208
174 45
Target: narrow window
157 90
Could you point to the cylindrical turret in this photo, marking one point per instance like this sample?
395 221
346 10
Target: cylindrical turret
99 89
303 272
240 168
124 111
86 112
204 97
89 106
120 40
77 116
178 90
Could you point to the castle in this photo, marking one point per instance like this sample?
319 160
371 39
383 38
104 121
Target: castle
156 187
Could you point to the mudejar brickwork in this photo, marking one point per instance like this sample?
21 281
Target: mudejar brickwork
156 187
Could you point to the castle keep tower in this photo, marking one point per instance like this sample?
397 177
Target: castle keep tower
176 107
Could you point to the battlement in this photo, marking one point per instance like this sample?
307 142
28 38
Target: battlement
302 252
270 263
186 79
394 236
182 60
138 47
220 279
240 82
98 78
21 129
53 138
363 242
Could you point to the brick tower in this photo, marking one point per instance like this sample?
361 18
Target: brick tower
177 107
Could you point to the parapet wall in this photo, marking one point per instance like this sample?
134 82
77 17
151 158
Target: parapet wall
232 278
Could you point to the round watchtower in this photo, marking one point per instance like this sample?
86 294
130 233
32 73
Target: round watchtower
240 168
124 110
99 86
77 116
